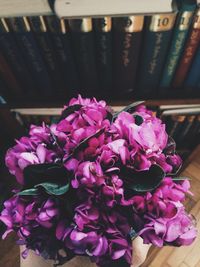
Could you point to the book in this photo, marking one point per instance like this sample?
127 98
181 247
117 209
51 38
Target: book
14 89
38 26
84 52
15 59
193 135
62 47
188 53
126 50
157 36
29 48
183 135
103 47
181 28
92 8
193 77
175 125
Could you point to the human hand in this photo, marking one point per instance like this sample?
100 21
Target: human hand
140 251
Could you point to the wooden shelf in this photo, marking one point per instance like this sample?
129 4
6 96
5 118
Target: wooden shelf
57 104
86 8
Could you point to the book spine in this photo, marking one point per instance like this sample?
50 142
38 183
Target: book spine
29 48
103 45
15 59
193 134
84 51
193 74
184 133
127 41
62 47
155 46
180 32
39 28
9 78
178 126
188 53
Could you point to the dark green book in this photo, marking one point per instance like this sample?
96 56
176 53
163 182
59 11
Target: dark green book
61 41
183 22
103 47
28 47
126 50
157 37
15 59
84 51
42 36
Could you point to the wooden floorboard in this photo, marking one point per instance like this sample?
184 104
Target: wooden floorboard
165 257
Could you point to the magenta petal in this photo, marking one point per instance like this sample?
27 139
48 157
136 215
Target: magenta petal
187 238
173 231
43 216
41 153
6 233
77 236
118 254
60 230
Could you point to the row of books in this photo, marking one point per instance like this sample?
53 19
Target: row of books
136 56
182 124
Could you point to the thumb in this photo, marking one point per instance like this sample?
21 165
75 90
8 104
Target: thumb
140 251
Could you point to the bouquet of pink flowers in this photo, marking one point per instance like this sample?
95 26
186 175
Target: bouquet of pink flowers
94 181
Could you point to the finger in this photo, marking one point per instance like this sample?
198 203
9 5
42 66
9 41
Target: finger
140 251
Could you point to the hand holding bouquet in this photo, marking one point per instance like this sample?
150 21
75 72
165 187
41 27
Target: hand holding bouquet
94 181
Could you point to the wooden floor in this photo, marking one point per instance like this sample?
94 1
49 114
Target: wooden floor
165 257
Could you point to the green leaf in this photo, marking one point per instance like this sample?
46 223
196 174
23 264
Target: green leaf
29 192
84 143
53 188
144 181
69 110
128 108
46 172
138 119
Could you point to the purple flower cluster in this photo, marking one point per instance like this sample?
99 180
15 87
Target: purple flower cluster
108 160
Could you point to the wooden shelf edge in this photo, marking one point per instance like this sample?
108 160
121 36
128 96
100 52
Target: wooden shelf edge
55 104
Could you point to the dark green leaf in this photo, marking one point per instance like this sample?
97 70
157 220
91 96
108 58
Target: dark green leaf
128 108
84 143
29 192
46 172
53 188
138 119
144 181
69 110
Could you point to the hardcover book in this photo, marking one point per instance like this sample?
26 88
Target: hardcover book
15 59
192 81
30 50
127 43
38 26
9 79
179 36
60 35
189 52
156 42
103 47
84 51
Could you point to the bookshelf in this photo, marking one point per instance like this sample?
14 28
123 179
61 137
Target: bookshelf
72 9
